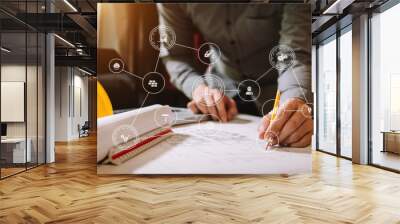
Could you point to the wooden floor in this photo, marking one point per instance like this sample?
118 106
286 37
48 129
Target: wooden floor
69 191
387 159
5 172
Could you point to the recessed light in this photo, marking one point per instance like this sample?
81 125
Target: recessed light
70 5
5 50
65 41
84 71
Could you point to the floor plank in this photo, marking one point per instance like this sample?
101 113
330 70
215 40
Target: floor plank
69 191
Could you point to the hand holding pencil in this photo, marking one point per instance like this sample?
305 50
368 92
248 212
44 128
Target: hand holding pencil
289 124
270 139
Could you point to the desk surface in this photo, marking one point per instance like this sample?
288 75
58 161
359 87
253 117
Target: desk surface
13 140
391 132
215 148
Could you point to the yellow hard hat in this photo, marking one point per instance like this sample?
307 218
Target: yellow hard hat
104 106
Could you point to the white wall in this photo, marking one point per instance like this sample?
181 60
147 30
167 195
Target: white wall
71 102
61 103
15 73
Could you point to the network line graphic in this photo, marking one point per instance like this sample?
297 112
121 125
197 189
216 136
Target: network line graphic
281 57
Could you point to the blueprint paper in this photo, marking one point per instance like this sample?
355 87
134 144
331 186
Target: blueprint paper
215 148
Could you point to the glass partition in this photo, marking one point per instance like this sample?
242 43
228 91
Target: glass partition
14 153
41 97
326 99
346 95
32 98
385 89
22 88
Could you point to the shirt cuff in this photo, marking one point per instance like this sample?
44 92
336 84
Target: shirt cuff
299 92
190 83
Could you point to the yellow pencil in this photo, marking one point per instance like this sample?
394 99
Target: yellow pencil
276 105
273 115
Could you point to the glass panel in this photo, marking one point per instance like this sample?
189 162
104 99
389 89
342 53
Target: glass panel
31 100
385 84
327 96
13 87
41 98
32 89
346 94
23 80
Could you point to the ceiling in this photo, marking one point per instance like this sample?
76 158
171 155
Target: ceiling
72 20
332 15
76 22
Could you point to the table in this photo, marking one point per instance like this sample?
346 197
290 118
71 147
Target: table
215 148
13 150
391 141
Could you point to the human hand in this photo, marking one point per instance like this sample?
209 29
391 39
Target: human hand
207 100
293 125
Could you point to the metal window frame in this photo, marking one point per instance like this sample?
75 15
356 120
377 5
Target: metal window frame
339 32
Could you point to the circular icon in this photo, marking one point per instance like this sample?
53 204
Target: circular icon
163 118
268 107
306 110
116 65
249 90
208 53
153 82
123 136
214 83
282 57
162 36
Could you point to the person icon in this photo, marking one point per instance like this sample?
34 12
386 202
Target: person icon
249 91
116 66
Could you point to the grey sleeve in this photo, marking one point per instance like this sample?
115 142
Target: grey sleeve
296 33
179 60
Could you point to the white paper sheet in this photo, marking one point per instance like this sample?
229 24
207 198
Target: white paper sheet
215 148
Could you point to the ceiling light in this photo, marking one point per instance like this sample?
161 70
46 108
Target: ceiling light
70 5
79 51
84 71
337 7
65 41
5 50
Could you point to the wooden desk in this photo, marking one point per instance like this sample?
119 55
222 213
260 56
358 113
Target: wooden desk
215 148
391 141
